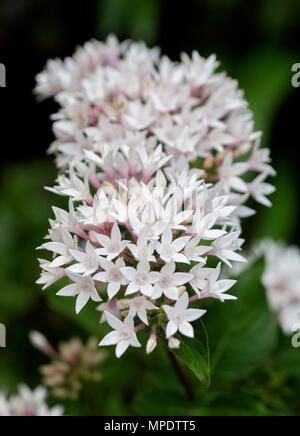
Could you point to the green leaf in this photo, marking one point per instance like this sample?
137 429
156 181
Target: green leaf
287 359
194 353
242 333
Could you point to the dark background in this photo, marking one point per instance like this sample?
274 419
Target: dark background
257 43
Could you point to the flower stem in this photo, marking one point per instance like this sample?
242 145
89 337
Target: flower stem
181 376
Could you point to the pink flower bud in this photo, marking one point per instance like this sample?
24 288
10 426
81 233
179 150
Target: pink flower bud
174 343
152 343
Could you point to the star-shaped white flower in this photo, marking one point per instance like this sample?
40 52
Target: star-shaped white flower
139 306
180 317
259 189
83 287
169 282
123 335
229 174
170 250
113 246
141 279
60 247
194 251
203 226
49 275
88 261
112 275
217 288
225 248
200 277
143 249
113 306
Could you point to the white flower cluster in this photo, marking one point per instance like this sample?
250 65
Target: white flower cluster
282 282
28 403
157 159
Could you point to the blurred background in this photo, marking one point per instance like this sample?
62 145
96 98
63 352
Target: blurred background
257 43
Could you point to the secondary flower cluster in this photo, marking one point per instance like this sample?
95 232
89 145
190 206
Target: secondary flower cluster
71 366
157 159
282 282
28 403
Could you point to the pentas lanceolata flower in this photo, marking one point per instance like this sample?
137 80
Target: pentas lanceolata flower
72 365
158 160
28 403
281 279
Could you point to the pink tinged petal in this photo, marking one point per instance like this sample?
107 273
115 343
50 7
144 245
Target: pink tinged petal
58 261
103 240
74 277
101 277
157 292
143 266
142 314
180 279
240 168
147 289
168 310
154 277
102 251
81 301
77 268
231 255
186 329
172 293
129 273
95 296
215 275
132 288
223 297
114 322
111 339
115 233
195 289
67 291
238 184
169 268
132 311
180 243
89 249
193 314
121 348
182 303
56 247
167 236
181 258
129 323
150 306
171 329
78 255
134 341
224 285
112 289
105 264
159 228
213 234
89 272
183 216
